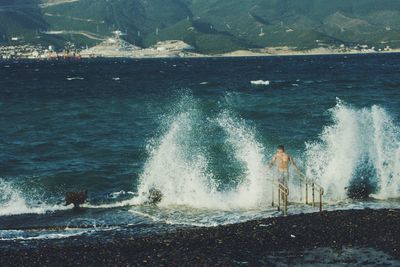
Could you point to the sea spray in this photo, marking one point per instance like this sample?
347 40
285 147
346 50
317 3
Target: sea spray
250 153
385 151
331 160
12 202
179 165
176 168
358 152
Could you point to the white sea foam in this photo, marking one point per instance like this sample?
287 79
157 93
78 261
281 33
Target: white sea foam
252 191
118 204
8 235
260 82
183 178
361 144
183 175
40 234
12 202
74 78
121 193
358 140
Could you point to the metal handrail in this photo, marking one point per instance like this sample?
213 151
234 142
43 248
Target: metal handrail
283 192
314 187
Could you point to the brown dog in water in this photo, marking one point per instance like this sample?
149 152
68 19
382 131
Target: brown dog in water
76 198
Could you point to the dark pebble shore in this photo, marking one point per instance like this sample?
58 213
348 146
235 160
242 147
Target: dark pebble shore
359 237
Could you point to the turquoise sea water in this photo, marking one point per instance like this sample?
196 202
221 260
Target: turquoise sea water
200 130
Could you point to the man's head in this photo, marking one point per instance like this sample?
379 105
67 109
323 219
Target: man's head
281 148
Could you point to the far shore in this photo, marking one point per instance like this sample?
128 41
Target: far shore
234 54
246 53
356 237
305 53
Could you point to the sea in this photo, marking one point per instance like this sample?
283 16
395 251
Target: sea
201 131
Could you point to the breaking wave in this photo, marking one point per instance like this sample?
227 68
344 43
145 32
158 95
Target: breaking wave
216 161
12 202
180 167
358 154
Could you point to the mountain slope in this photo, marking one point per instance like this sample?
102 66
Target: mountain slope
19 18
300 23
211 26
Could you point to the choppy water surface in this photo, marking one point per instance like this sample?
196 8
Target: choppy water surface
200 130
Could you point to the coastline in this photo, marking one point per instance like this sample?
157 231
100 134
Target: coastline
367 237
303 53
245 54
234 54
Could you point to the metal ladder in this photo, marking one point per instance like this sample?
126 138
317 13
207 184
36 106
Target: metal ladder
283 193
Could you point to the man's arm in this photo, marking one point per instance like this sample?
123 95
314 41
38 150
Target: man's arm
295 166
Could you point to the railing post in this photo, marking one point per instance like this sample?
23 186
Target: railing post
306 193
313 195
279 199
301 191
285 204
272 186
320 201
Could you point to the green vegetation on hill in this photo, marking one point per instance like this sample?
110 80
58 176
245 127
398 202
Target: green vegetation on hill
200 36
135 18
211 26
19 18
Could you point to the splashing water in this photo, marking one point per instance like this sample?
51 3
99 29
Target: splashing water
182 172
250 153
176 169
359 150
12 202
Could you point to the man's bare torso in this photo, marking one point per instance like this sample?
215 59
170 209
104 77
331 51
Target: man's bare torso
283 161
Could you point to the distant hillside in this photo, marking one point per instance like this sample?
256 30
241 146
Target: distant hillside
20 18
211 26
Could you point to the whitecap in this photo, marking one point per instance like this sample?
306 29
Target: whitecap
42 234
260 82
12 202
360 146
74 78
120 193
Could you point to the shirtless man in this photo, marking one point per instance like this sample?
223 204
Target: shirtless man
283 165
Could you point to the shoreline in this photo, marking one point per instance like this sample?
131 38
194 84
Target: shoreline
357 236
235 54
246 54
